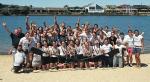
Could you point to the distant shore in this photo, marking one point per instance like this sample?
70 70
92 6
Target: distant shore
71 15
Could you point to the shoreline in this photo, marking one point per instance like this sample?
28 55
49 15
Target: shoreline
69 15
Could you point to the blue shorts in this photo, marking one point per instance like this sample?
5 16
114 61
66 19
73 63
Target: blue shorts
136 50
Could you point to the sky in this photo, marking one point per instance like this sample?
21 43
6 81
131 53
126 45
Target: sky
61 3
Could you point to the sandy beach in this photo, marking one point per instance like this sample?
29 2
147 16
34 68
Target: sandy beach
126 74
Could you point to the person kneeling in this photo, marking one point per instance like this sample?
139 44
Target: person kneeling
19 59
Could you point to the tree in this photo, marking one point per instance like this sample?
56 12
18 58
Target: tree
5 11
25 10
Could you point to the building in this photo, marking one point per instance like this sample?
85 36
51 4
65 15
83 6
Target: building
142 9
94 9
120 10
76 10
47 11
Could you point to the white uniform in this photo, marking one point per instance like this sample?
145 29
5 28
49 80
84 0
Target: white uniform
117 59
106 48
36 60
129 40
54 51
79 49
120 47
45 50
25 43
137 41
19 58
96 50
62 51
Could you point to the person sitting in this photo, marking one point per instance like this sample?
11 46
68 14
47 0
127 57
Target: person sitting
36 62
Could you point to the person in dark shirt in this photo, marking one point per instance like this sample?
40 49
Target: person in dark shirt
112 39
15 36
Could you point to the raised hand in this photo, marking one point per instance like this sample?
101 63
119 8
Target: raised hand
78 20
5 27
27 16
55 17
4 24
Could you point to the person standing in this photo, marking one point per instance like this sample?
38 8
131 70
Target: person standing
138 46
118 58
15 36
128 40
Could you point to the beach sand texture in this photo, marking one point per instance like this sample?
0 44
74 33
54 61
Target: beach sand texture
126 74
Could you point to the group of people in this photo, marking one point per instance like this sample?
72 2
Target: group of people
84 46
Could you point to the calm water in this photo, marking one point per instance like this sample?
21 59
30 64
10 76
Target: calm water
122 22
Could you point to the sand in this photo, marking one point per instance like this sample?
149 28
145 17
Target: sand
126 74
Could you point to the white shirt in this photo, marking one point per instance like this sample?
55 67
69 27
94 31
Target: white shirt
96 50
24 42
36 58
62 50
120 47
129 40
137 40
108 34
33 42
54 51
106 48
79 49
45 50
87 36
19 58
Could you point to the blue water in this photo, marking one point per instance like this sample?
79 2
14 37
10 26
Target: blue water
122 22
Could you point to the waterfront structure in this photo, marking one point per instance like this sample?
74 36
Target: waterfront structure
94 9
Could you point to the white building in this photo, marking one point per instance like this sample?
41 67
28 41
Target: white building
94 9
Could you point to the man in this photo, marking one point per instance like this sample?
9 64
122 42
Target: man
15 36
19 59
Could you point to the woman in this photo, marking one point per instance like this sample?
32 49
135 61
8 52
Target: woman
96 54
36 62
128 40
138 45
25 42
45 56
101 37
62 55
106 48
79 52
87 53
54 53
71 53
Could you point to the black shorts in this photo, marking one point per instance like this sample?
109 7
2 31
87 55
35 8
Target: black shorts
87 58
53 59
80 56
97 58
74 58
26 52
45 60
61 59
68 59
